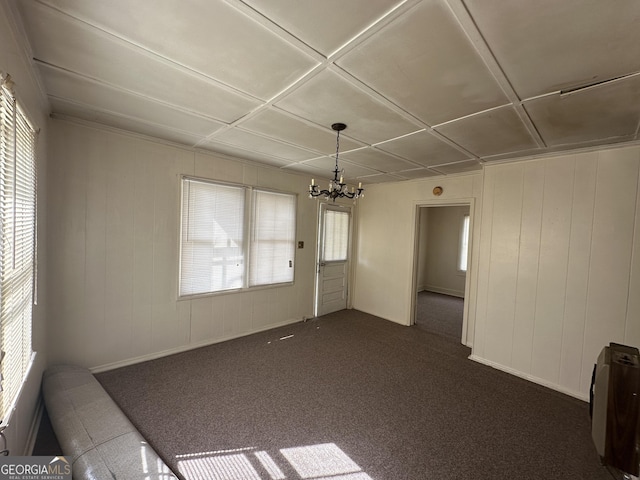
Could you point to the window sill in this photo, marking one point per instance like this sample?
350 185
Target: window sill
234 291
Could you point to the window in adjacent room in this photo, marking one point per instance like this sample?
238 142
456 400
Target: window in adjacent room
18 244
234 237
464 244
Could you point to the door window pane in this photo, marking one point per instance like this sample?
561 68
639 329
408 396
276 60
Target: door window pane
336 236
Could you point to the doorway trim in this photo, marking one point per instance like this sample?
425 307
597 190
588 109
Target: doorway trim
459 202
323 207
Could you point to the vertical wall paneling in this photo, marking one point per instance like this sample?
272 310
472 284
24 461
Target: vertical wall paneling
142 168
116 221
95 240
611 249
552 269
67 265
201 319
527 279
507 209
578 270
232 323
119 253
632 324
575 265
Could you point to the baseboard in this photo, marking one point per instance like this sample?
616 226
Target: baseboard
34 428
444 291
184 348
531 378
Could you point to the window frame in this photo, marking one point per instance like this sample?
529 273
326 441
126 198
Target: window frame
19 153
248 234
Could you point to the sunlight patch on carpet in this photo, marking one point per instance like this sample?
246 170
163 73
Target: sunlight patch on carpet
315 462
319 461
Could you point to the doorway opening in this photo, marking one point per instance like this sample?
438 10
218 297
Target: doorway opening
441 268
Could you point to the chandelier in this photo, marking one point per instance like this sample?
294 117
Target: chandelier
337 187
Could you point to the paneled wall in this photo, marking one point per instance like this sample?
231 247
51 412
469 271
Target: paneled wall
114 243
559 271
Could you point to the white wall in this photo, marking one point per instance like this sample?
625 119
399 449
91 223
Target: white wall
559 273
387 249
114 245
442 254
16 61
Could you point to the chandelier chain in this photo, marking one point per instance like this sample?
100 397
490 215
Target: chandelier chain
337 148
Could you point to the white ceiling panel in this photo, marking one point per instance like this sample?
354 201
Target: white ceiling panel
490 133
458 167
328 98
425 86
416 173
66 109
551 45
605 111
79 90
211 37
423 148
244 153
103 57
378 160
425 63
379 178
274 148
280 125
327 25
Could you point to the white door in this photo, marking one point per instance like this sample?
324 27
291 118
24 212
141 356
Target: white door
333 259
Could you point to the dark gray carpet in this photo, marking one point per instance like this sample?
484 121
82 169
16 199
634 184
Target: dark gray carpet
351 397
440 314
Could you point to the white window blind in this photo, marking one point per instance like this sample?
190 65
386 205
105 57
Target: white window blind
464 244
212 250
215 243
273 238
336 236
18 243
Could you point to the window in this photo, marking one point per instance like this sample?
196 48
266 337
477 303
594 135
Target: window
215 245
336 236
464 244
273 237
18 243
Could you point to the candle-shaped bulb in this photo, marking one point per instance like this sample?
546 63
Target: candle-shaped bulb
360 185
313 181
341 179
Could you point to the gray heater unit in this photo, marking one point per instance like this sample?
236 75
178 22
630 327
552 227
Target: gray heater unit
615 407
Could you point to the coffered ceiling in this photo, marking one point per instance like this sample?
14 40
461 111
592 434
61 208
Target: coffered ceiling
426 87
